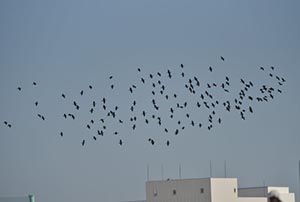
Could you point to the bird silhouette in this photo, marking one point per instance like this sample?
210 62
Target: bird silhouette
222 58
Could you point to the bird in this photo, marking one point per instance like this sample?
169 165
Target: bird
94 137
65 116
139 69
110 77
181 65
210 68
81 92
61 134
120 142
36 103
19 88
91 87
83 142
34 83
222 58
63 95
168 143
5 122
250 109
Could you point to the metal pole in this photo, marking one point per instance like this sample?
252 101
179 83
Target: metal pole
147 172
210 168
179 171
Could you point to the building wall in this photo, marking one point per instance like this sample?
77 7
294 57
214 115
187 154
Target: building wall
14 199
224 189
253 192
252 199
188 190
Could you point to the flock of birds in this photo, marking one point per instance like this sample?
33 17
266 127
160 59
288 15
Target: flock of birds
169 106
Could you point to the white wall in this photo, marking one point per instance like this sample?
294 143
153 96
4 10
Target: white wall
252 199
224 189
188 190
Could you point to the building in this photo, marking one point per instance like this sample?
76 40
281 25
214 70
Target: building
210 190
29 198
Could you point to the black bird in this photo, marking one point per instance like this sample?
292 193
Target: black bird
151 76
210 68
5 122
250 109
139 69
90 86
181 65
36 103
176 132
100 132
222 58
94 104
143 80
9 125
88 126
262 68
168 143
63 95
61 134
272 67
34 83
65 116
92 110
112 86
81 92
83 142
94 137
19 88
110 77
120 142
130 89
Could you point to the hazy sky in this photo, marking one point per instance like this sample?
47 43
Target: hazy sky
65 46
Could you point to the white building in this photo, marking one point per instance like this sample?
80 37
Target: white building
210 190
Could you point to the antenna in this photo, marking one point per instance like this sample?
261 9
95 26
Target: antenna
210 168
179 171
147 172
299 182
162 171
225 170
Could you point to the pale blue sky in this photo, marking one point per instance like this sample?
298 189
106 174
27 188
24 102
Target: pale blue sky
67 45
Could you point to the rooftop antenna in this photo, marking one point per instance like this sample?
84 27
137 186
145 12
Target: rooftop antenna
225 170
299 182
210 168
147 172
179 171
162 171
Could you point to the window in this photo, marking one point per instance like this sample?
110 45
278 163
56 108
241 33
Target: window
155 194
234 190
174 191
202 190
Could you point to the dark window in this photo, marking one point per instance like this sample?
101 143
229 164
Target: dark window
234 190
174 191
202 190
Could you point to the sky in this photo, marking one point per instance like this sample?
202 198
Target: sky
65 46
